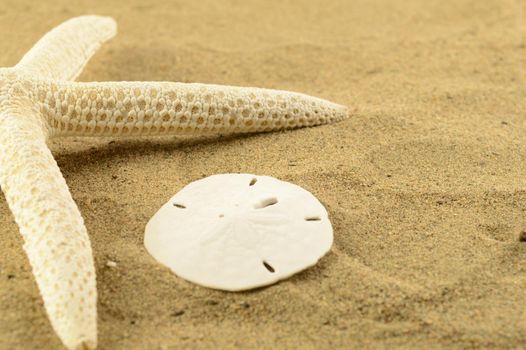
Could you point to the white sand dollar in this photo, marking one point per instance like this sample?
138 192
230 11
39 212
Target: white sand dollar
239 231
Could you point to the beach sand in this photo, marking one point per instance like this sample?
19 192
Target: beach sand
425 182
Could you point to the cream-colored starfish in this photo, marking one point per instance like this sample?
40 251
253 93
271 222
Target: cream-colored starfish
38 100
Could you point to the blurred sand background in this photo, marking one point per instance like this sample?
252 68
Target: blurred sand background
425 183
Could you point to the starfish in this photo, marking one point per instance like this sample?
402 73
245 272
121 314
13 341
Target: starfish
39 100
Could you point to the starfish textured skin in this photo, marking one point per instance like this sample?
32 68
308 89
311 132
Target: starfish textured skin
39 100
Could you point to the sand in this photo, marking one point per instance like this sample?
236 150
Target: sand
424 182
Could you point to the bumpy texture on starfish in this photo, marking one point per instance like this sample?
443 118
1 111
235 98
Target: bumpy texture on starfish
38 101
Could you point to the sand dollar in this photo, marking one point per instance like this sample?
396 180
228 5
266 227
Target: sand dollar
239 231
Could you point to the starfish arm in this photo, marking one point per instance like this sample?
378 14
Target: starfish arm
63 52
156 108
55 238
